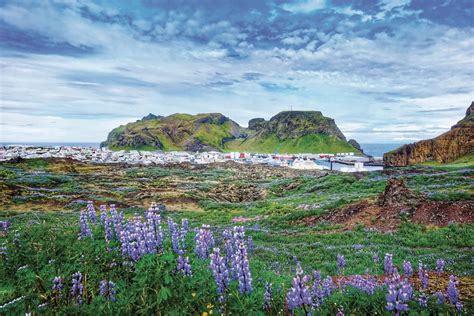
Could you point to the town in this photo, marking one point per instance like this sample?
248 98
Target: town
345 162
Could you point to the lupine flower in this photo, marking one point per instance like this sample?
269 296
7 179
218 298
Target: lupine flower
388 266
440 297
423 275
184 232
299 294
423 300
399 293
103 213
107 222
440 265
91 212
204 241
77 287
407 269
184 266
328 286
453 292
241 268
57 288
340 312
267 296
175 237
375 258
84 225
341 262
250 244
4 225
219 271
227 234
317 290
107 290
366 284
358 247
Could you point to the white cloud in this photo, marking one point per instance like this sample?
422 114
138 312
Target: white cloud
304 6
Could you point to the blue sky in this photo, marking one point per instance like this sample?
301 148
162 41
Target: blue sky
387 71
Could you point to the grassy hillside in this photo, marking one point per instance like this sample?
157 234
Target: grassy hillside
313 143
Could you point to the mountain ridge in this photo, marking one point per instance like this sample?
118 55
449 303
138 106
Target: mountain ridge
288 131
445 148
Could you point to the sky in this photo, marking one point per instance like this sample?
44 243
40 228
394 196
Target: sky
387 71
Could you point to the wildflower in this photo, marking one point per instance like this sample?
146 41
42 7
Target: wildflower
267 296
184 266
4 225
84 225
241 268
103 213
423 275
317 290
340 311
77 288
440 265
453 292
107 222
440 297
175 237
184 232
57 288
423 300
107 290
219 271
204 241
388 266
375 258
91 212
299 294
341 262
399 293
328 286
407 269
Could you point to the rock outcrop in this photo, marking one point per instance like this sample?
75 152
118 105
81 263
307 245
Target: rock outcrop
445 148
290 132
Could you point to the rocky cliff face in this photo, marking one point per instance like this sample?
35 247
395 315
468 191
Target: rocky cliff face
299 131
445 148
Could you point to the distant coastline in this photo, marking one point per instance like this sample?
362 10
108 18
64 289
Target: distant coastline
373 149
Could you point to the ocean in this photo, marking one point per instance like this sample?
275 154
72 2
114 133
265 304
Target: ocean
376 150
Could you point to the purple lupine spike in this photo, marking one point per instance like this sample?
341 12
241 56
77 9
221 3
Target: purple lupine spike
4 225
220 272
340 311
341 263
423 275
440 263
204 241
407 269
299 295
229 245
317 290
366 283
376 259
423 300
453 292
107 222
57 288
91 212
184 266
267 296
388 266
328 286
241 268
440 297
107 290
85 232
250 244
77 288
399 293
103 213
175 238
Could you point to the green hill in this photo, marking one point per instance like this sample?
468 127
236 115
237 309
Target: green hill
286 132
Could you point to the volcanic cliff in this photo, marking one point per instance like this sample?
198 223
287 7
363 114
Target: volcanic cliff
288 132
457 142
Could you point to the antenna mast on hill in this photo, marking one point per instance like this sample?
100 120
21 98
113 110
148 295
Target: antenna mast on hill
291 107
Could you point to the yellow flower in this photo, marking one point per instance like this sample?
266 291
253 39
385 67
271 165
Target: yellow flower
209 306
193 294
210 312
204 314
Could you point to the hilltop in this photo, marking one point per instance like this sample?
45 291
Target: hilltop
456 143
289 132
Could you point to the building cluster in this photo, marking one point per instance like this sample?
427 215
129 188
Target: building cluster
103 155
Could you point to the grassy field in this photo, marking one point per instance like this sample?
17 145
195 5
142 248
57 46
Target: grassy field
42 199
